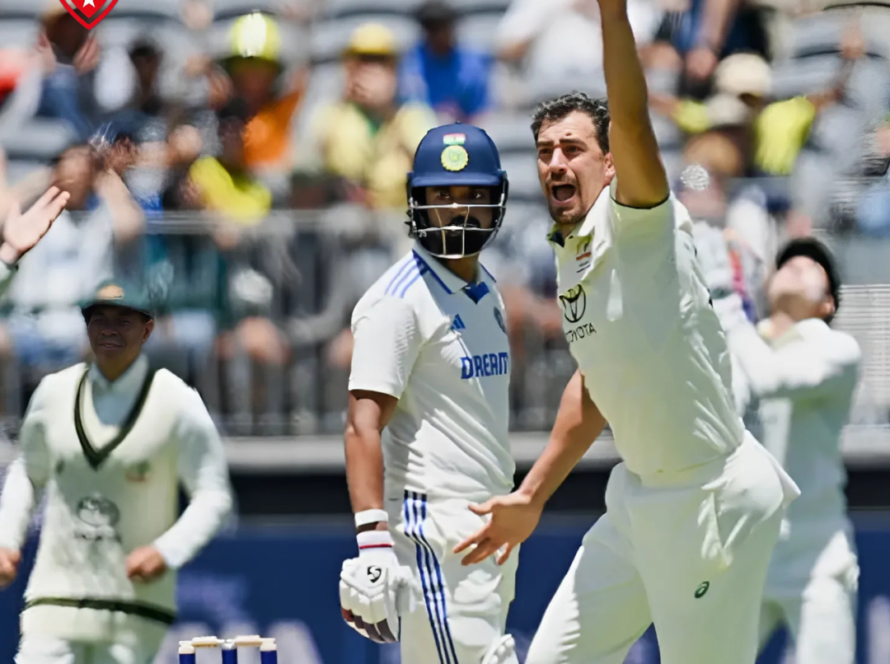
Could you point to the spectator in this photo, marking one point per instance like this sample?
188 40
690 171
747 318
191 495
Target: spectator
147 115
780 128
450 78
706 31
561 39
45 326
257 74
369 137
224 184
68 87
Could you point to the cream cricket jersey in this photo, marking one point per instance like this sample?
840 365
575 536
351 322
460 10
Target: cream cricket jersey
440 346
637 319
110 456
801 385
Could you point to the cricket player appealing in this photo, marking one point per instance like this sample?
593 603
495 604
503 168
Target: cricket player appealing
110 442
694 508
427 429
798 375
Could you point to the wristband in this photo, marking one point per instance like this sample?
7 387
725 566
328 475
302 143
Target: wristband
374 539
367 517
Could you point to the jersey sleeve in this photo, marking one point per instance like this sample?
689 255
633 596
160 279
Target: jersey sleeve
26 476
646 224
204 474
387 342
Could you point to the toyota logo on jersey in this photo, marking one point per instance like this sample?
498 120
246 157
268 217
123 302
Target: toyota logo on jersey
574 304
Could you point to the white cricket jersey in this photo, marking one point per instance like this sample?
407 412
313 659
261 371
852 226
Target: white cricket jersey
111 467
637 319
440 346
801 387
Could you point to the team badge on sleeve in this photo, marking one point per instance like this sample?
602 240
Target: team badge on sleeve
455 158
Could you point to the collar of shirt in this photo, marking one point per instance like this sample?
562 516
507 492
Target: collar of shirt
128 383
804 329
447 279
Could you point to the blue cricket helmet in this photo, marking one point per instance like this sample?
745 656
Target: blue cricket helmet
456 155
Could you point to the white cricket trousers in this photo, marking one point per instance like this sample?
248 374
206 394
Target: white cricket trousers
453 614
688 553
41 649
819 608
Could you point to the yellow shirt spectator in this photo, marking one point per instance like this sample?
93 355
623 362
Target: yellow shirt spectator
238 196
378 156
781 130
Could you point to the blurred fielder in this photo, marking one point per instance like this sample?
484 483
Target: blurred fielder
110 442
427 429
695 507
798 376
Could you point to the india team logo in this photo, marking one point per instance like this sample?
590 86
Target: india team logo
455 158
574 304
88 13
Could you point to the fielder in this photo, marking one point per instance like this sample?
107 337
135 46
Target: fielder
21 232
427 429
110 442
798 375
695 506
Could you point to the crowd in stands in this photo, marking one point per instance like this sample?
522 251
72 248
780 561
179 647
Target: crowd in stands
246 160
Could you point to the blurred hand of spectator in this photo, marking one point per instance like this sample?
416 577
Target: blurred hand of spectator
701 63
44 53
87 57
373 87
262 340
197 14
183 145
852 44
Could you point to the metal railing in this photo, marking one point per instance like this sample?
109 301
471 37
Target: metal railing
259 322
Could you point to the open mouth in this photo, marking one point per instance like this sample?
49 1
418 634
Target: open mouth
563 192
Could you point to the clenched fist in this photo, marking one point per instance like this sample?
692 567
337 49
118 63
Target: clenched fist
145 564
9 564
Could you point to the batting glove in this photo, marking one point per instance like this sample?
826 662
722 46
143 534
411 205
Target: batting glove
370 587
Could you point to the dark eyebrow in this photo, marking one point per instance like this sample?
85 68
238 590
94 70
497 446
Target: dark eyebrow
562 141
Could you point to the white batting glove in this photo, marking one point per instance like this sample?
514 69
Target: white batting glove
370 587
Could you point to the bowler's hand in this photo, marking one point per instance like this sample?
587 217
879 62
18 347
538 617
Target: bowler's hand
145 565
513 519
22 231
9 564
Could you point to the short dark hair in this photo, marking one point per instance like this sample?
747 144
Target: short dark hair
556 109
434 13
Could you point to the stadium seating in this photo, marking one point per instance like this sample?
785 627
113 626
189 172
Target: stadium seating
18 32
15 9
229 9
38 140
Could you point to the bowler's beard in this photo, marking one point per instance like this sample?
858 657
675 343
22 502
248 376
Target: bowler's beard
565 218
